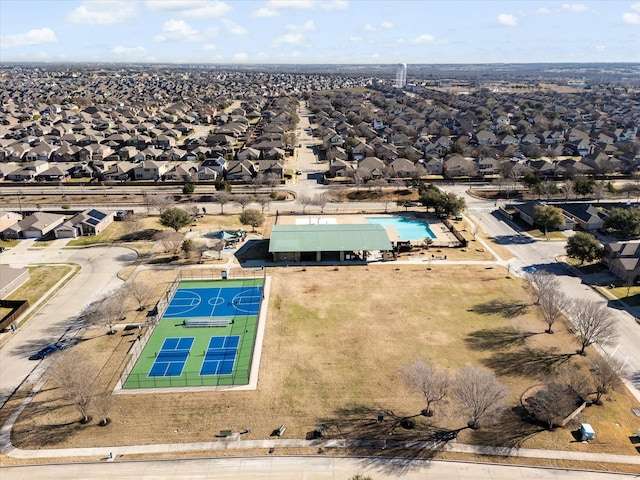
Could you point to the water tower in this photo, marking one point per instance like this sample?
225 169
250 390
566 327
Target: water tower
401 75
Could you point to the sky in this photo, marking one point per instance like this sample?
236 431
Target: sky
319 31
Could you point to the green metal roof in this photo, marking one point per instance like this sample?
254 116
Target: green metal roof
328 238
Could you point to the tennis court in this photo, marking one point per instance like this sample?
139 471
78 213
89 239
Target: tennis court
203 353
220 356
172 357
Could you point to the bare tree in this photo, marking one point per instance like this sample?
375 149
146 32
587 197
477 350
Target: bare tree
320 201
479 393
427 380
541 282
158 202
171 241
218 247
102 405
108 309
76 378
134 223
607 375
140 291
552 303
222 198
243 200
305 201
593 323
263 201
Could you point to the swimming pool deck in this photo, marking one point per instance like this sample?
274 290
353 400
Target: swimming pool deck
443 237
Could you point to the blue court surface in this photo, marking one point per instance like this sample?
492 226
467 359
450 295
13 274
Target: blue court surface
220 355
214 302
171 357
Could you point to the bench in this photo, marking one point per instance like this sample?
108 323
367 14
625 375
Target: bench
207 322
225 433
280 430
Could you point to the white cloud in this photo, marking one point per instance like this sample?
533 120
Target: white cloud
600 48
36 36
355 38
233 28
307 26
326 5
386 25
130 51
240 57
424 39
102 12
631 18
368 28
191 8
178 31
507 20
635 6
207 47
574 7
544 11
288 39
264 13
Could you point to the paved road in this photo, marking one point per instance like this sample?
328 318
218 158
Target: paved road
308 468
98 274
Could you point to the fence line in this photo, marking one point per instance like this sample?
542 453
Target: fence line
216 274
197 379
135 351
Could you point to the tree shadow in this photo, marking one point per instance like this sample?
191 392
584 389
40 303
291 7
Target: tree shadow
532 362
497 339
504 308
146 234
510 430
379 433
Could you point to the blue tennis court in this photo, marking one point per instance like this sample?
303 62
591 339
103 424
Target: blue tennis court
220 355
214 302
172 357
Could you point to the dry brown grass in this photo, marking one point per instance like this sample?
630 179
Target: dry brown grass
334 341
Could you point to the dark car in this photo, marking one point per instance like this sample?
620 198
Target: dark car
46 351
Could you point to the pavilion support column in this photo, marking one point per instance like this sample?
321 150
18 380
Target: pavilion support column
318 256
341 256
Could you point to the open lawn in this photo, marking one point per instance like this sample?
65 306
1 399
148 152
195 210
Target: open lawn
334 342
43 278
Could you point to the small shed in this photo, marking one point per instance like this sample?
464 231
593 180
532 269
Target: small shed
586 430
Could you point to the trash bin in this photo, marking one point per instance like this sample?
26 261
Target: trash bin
224 274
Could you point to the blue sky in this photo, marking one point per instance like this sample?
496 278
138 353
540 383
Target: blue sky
319 31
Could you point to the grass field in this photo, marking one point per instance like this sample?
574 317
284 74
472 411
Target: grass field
335 340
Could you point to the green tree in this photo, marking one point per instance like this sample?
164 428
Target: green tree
175 218
584 186
252 217
530 180
188 188
623 221
547 217
585 247
187 247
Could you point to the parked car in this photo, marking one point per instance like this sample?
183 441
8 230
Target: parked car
46 351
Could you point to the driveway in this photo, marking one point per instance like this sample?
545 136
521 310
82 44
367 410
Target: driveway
98 274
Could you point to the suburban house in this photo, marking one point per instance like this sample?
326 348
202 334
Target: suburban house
33 226
11 279
623 259
8 218
587 216
89 222
150 170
